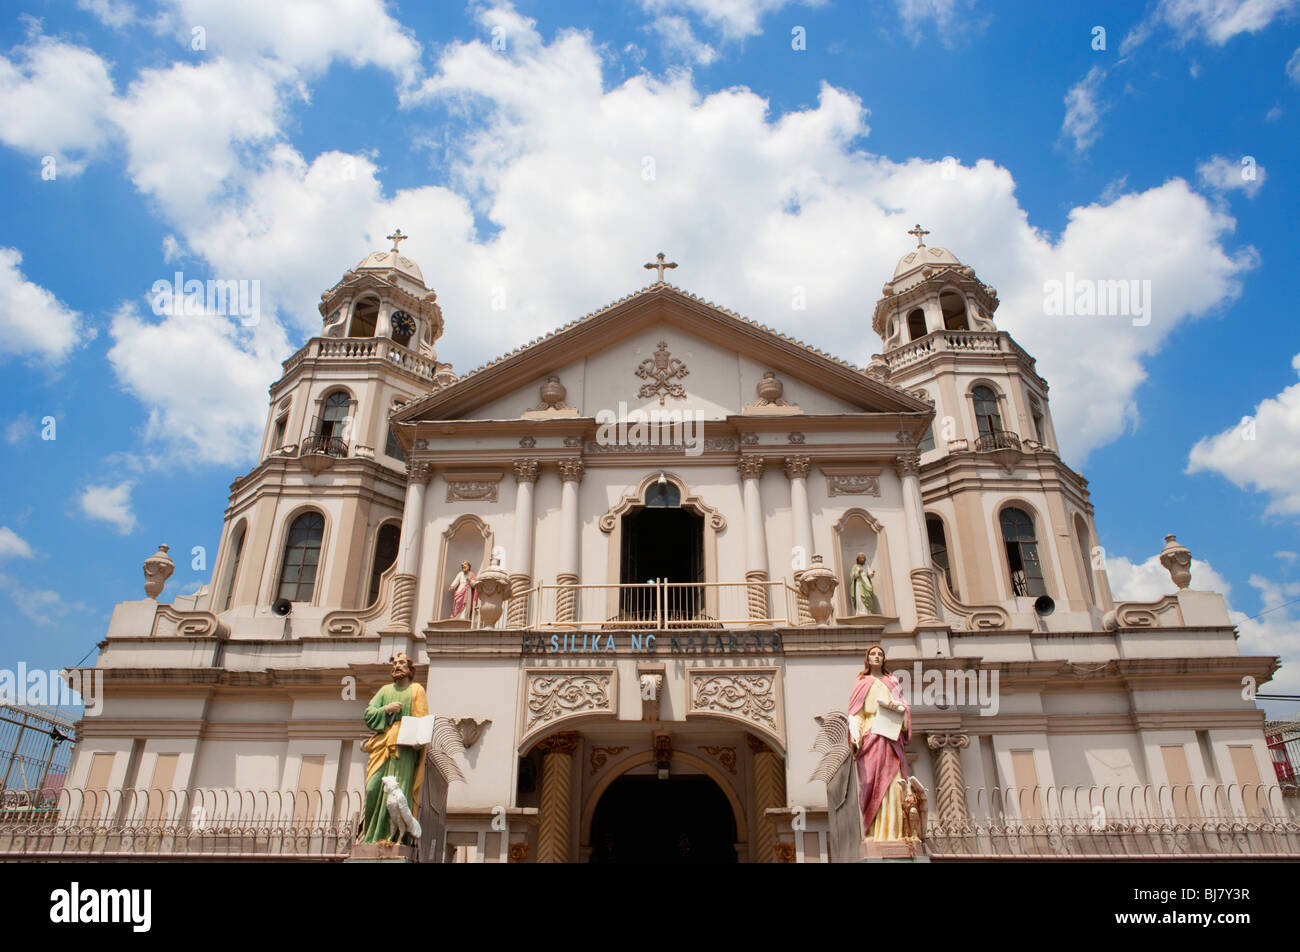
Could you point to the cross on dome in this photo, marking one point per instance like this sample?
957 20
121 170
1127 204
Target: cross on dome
659 266
397 238
920 234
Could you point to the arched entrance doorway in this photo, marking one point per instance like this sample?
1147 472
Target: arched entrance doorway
682 819
662 542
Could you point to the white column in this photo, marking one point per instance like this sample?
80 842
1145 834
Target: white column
567 574
908 466
410 545
756 572
519 561
796 469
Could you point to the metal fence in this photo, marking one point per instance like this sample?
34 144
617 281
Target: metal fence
74 823
1192 821
35 747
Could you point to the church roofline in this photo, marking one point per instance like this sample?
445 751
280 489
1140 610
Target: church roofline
541 347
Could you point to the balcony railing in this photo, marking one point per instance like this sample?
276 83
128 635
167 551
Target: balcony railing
353 348
1182 821
997 440
664 605
322 445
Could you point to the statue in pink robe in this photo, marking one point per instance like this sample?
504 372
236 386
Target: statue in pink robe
463 594
880 761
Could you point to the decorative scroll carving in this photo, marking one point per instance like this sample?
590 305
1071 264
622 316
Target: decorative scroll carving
750 467
661 370
555 695
796 467
526 470
472 487
353 623
716 520
570 470
518 852
748 696
1143 614
783 852
975 617
723 755
719 445
600 756
851 481
797 438
573 442
189 624
527 442
832 742
749 439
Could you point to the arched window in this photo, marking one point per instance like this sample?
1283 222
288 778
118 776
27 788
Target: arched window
1023 564
301 558
939 550
987 416
390 533
954 312
916 324
1085 562
237 554
663 496
332 423
364 317
1036 415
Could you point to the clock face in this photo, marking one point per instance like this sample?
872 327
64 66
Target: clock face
403 325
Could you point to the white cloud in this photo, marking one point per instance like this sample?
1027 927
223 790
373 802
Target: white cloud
53 102
678 38
11 544
916 13
1221 174
33 322
1293 68
1260 452
19 429
734 19
111 13
112 504
1082 111
304 35
1275 631
40 606
203 378
1213 21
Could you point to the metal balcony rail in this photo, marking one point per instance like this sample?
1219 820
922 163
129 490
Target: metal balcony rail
997 440
325 445
75 823
1179 821
660 605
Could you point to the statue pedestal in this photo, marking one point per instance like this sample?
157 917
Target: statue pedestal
380 853
891 849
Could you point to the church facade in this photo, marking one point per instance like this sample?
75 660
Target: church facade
639 560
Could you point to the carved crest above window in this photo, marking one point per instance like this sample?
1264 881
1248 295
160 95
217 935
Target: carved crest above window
661 370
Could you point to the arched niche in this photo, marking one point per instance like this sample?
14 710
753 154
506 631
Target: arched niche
859 531
468 539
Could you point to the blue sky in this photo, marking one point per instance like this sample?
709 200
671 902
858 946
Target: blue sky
297 135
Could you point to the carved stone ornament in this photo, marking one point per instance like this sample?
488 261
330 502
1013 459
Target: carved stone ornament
797 439
570 470
908 464
662 370
526 470
472 487
600 756
749 439
527 442
554 695
418 471
818 584
750 467
745 695
1177 560
552 393
493 588
713 517
851 481
470 729
723 755
158 568
796 467
711 445
770 400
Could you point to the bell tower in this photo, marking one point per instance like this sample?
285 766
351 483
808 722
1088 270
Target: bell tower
1007 521
317 522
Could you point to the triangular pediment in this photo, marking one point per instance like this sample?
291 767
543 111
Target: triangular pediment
661 323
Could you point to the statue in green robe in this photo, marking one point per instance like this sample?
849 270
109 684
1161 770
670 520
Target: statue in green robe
383 716
862 598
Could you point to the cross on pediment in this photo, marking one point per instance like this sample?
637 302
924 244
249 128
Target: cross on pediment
920 234
397 238
659 266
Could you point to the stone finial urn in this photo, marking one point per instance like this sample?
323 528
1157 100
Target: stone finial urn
818 584
1177 560
158 568
553 392
493 588
770 388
